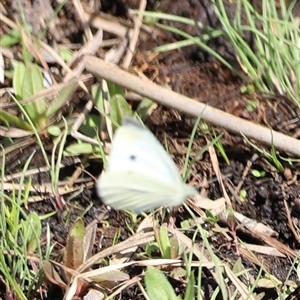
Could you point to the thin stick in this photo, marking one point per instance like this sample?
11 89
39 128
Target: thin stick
209 114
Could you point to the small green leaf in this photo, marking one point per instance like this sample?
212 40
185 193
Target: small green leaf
33 228
11 38
31 85
119 108
258 174
64 95
74 254
32 81
210 217
157 285
185 224
54 130
238 266
178 273
92 121
151 247
12 120
164 241
190 290
98 97
90 125
251 105
66 54
144 108
81 148
19 72
115 89
242 195
174 247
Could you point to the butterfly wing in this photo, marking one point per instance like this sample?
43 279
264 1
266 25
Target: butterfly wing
138 193
136 149
140 174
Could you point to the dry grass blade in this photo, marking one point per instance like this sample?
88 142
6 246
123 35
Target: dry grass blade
263 250
290 223
241 287
215 165
254 226
134 36
80 11
46 189
32 47
216 207
11 132
88 276
278 245
32 172
138 239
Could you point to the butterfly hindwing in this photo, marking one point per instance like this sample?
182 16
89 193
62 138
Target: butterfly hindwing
136 192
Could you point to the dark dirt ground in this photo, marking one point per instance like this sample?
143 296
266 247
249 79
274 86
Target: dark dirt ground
193 72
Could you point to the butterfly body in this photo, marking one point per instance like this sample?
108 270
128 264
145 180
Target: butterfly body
140 174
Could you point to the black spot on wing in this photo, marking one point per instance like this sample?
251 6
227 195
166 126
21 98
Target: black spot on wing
132 157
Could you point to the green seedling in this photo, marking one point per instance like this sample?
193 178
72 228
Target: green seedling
21 240
158 286
258 174
10 38
165 246
211 218
168 246
242 195
251 105
117 236
28 82
271 156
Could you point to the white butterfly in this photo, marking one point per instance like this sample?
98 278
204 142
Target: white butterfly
140 174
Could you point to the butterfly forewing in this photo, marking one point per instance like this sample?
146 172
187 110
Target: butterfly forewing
135 148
